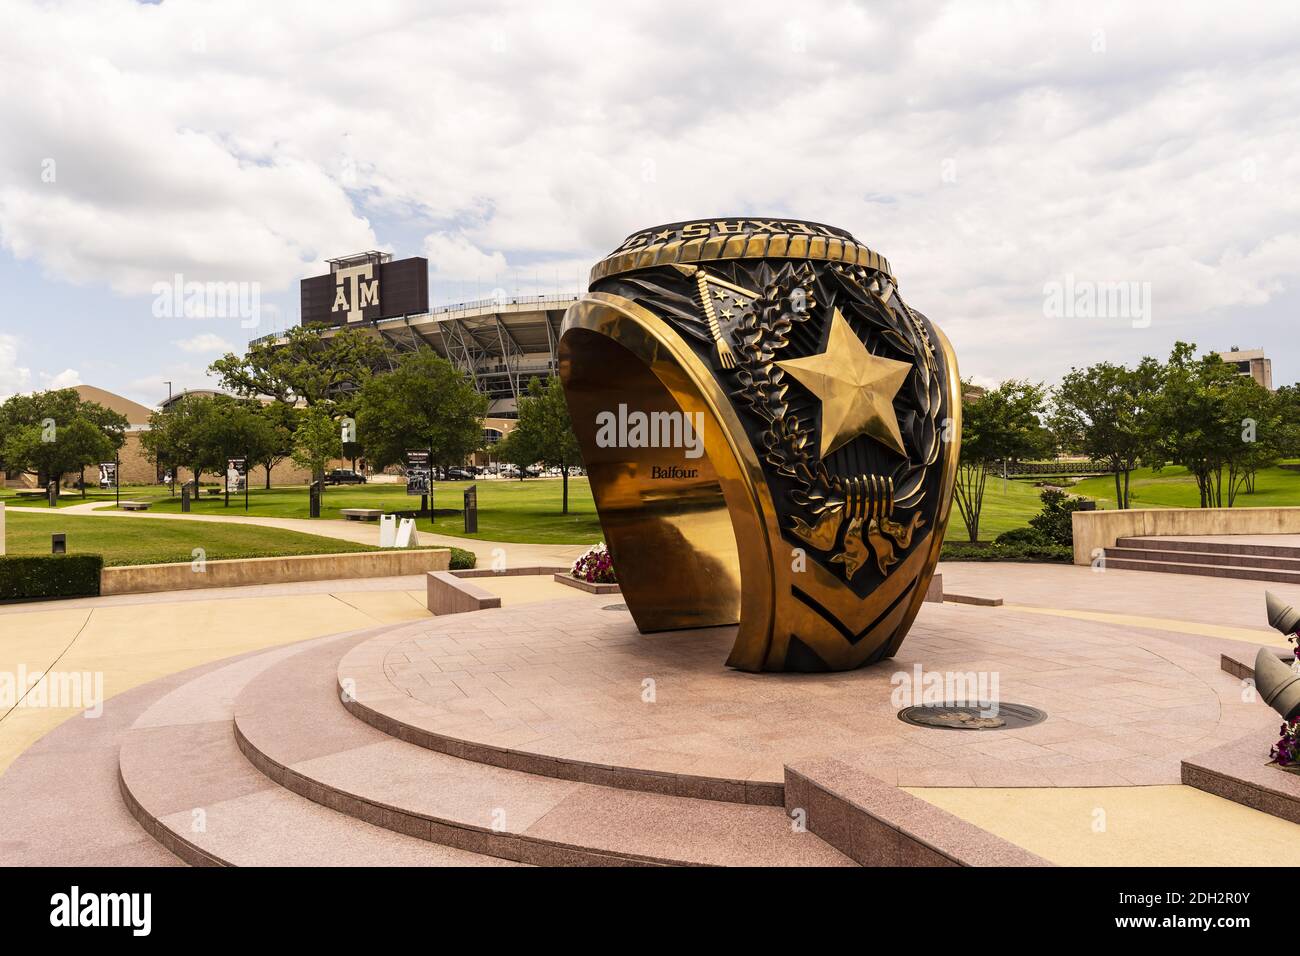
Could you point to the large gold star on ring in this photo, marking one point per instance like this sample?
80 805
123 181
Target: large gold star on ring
856 389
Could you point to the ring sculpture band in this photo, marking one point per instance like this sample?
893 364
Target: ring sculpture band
771 435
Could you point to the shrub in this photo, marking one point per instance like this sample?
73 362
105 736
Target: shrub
462 560
596 566
998 551
1023 537
1054 522
49 575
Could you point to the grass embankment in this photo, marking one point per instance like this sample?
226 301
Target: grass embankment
145 541
1174 487
526 512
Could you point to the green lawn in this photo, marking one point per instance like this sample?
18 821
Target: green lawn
1007 504
518 511
1173 487
142 541
69 497
513 511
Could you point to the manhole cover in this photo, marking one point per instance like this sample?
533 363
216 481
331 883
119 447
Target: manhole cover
972 717
614 607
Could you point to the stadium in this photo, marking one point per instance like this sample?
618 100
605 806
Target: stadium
499 343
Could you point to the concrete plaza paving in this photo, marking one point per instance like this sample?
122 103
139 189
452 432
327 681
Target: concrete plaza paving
1163 632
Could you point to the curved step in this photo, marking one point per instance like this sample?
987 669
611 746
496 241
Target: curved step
291 725
368 693
183 778
60 800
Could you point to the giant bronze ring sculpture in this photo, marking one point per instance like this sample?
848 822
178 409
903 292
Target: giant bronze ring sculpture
813 510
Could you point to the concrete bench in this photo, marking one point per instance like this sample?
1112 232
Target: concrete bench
134 505
29 494
362 514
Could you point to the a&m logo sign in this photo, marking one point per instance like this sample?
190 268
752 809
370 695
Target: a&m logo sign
356 288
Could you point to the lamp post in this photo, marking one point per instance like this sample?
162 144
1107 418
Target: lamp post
117 477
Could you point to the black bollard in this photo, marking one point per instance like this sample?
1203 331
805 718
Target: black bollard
471 509
185 498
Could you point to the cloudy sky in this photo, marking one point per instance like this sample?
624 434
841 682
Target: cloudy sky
994 152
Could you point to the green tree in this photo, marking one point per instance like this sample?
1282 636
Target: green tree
54 433
306 365
1216 424
188 432
1107 412
271 435
424 403
514 452
317 442
53 452
238 429
545 432
999 425
1287 406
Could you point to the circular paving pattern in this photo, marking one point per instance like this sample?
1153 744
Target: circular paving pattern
558 689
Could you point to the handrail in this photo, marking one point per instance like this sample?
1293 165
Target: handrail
473 305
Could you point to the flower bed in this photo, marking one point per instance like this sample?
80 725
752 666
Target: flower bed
595 567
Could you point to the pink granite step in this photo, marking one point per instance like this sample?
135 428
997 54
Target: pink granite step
184 780
1242 772
880 825
1183 562
60 803
291 724
1252 545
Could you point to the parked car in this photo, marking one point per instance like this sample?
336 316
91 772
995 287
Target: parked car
344 476
458 474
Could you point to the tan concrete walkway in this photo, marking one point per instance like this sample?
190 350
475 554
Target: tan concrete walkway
489 553
130 643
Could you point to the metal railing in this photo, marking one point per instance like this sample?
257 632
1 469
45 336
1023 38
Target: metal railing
474 305
1030 468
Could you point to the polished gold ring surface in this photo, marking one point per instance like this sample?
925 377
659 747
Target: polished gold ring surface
771 438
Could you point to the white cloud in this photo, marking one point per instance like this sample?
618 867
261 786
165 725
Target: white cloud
151 389
205 342
65 379
455 257
14 378
984 149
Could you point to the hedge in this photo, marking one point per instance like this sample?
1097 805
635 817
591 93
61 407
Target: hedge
1000 551
49 575
462 560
